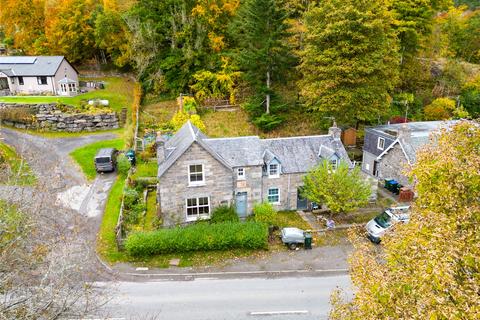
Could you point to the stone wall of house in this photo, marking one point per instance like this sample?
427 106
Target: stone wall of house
49 117
288 185
252 185
174 189
393 166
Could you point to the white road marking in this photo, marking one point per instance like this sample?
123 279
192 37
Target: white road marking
277 313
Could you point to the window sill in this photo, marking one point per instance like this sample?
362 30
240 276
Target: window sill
273 177
274 203
197 184
197 218
241 179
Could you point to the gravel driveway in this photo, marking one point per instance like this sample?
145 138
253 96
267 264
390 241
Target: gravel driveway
73 204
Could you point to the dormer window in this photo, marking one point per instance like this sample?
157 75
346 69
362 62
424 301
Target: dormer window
241 173
273 170
334 164
381 143
195 175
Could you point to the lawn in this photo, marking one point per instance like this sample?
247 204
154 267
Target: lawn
290 219
19 173
84 156
118 91
146 170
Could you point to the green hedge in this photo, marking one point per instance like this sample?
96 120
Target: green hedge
202 236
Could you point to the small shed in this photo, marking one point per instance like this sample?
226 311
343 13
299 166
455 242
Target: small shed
349 136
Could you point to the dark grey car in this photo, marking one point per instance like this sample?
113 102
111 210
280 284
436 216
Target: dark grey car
106 160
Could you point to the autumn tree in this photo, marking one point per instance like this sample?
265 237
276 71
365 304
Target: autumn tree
430 267
112 34
341 189
69 28
349 63
23 22
261 53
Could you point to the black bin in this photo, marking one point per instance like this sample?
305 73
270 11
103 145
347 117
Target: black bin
308 241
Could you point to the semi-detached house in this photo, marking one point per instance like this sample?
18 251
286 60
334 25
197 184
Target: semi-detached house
197 173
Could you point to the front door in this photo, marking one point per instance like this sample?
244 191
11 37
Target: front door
241 204
301 201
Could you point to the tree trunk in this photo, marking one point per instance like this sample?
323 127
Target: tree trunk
268 93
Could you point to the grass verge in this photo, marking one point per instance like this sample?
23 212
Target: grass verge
106 242
17 170
84 155
290 219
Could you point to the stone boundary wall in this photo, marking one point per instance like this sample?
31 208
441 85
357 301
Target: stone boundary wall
49 117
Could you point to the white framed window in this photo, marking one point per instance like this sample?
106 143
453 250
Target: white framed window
241 173
273 195
195 175
273 170
381 143
42 80
334 164
367 166
197 208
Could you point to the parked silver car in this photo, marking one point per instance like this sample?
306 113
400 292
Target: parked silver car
377 227
106 160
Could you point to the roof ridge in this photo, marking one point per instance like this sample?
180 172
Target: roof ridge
298 137
232 138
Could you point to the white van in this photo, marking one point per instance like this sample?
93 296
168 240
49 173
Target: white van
377 227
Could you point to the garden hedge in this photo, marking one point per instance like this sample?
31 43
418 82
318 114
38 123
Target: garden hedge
201 236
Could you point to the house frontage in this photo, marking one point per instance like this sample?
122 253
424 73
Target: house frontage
389 149
197 173
40 75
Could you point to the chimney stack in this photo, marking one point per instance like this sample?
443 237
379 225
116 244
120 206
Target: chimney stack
335 131
404 133
160 148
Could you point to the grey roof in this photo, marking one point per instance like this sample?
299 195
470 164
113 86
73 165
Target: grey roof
180 142
296 154
31 66
239 152
299 154
419 134
421 126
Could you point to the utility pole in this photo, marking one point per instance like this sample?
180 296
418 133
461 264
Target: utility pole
268 93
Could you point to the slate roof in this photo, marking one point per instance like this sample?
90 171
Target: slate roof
296 154
23 65
419 136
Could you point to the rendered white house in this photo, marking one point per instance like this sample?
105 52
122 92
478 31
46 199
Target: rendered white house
37 75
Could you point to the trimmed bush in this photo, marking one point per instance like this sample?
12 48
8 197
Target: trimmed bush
123 165
223 214
264 212
198 237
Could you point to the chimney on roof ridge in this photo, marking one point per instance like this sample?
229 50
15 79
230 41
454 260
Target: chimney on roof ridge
404 133
160 144
335 131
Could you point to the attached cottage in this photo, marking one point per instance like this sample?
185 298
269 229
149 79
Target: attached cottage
389 149
197 173
40 75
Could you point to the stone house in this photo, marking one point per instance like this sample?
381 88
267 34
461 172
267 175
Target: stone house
390 149
39 75
197 173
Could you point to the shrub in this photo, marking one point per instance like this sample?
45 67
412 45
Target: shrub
265 213
130 197
440 109
205 237
181 117
18 114
268 122
223 214
123 165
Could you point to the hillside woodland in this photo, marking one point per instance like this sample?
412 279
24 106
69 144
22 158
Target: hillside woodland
360 61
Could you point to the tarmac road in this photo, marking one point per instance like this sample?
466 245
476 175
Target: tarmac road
215 299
